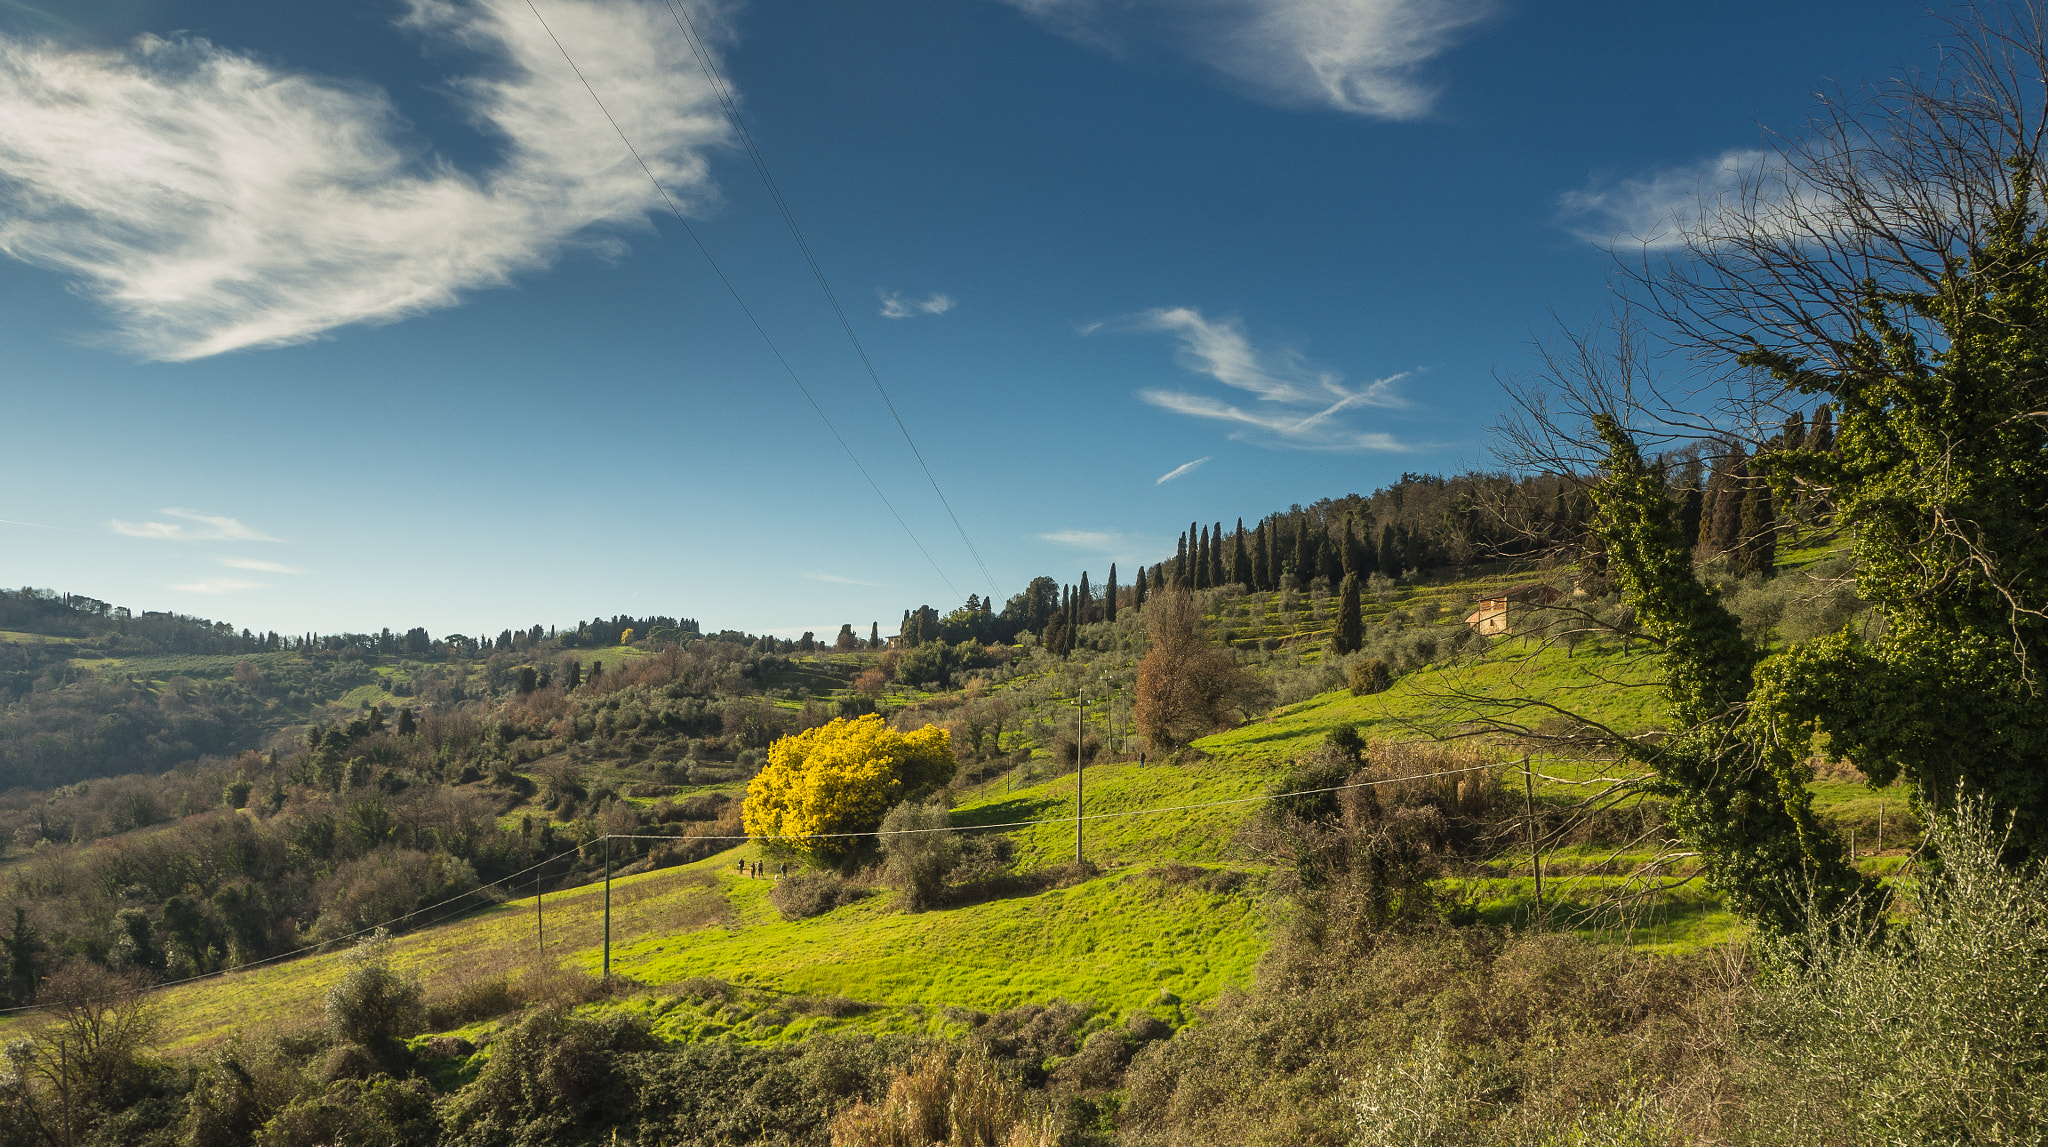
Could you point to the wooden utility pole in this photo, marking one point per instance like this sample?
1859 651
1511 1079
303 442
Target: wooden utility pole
1535 856
540 927
1080 763
607 909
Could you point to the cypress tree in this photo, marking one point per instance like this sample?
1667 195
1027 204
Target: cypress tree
1390 551
1724 527
1820 437
1353 552
1690 505
1180 565
1202 560
1350 633
1305 557
1138 589
1758 549
1082 600
1240 559
1793 436
874 635
1109 595
1262 560
1159 577
1217 577
406 724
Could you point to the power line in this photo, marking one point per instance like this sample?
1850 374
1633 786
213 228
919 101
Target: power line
732 112
814 836
1063 820
736 298
363 931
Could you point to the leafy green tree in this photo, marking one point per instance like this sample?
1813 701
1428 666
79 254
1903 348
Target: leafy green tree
846 642
407 723
1745 808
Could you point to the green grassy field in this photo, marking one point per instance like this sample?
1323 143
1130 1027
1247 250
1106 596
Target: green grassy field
1144 931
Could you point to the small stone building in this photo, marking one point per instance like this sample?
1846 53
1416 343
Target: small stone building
1495 614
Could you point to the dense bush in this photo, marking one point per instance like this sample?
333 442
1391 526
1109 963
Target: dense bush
918 853
373 1006
812 892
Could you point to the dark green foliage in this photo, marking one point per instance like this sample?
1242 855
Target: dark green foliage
1939 471
1109 595
24 950
934 664
1757 552
1691 504
1747 810
1350 629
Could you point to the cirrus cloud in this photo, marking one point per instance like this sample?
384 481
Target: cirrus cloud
895 306
1294 402
1363 57
217 585
202 528
214 202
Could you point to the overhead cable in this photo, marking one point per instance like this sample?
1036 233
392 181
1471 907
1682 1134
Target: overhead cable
732 112
736 298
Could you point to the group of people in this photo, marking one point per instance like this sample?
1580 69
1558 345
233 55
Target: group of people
753 869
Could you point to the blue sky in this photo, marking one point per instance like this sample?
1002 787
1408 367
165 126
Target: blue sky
326 317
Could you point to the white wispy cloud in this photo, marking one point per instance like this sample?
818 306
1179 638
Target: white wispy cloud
1296 403
259 566
1658 209
1110 545
217 585
1178 471
212 201
895 306
1363 57
202 528
837 579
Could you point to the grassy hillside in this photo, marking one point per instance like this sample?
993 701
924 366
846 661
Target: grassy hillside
1173 914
